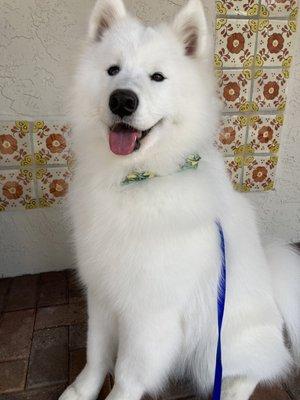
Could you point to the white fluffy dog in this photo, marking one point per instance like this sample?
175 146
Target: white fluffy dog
149 252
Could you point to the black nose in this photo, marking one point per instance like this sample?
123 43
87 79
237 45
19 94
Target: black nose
123 102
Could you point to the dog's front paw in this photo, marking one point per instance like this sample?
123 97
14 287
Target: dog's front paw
72 393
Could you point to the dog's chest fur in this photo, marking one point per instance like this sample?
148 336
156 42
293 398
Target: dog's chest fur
149 243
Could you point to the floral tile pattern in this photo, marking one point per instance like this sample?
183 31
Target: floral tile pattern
53 185
237 7
234 170
51 143
17 189
232 134
275 43
279 8
259 173
35 160
264 133
270 90
235 90
254 52
15 148
235 42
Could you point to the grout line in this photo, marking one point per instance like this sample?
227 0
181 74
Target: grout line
266 67
33 326
253 17
32 167
26 117
251 113
251 154
7 296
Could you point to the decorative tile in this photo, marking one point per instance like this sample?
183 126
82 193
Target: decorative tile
264 133
232 133
275 43
51 143
270 90
15 147
279 8
17 189
53 185
234 89
237 7
259 173
234 170
235 43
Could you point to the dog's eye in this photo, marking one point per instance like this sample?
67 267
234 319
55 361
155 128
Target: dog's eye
157 77
113 70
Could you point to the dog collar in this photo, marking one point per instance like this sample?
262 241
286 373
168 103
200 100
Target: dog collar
191 162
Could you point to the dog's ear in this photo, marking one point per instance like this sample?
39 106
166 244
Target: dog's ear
191 27
104 15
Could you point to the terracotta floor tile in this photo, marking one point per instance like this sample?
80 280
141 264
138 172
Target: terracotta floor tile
22 293
77 363
53 288
76 289
50 393
4 286
77 336
68 314
12 376
15 334
275 393
106 389
49 358
293 386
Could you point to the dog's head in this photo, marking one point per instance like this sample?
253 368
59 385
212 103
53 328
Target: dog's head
146 92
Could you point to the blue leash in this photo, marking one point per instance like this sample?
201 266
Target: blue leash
221 306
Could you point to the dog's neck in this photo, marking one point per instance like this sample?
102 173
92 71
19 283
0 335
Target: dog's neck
191 162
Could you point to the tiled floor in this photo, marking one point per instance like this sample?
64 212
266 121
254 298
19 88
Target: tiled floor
43 339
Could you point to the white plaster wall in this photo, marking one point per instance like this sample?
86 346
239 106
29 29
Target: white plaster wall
39 41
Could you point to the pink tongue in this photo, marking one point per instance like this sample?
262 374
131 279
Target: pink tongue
122 143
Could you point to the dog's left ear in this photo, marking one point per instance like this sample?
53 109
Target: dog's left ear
191 27
104 15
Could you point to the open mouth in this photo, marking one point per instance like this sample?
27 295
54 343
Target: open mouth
124 139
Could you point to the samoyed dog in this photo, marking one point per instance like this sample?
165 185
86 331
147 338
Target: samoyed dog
145 226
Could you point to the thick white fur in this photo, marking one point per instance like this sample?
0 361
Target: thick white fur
149 253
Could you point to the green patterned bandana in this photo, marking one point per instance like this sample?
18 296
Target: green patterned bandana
191 162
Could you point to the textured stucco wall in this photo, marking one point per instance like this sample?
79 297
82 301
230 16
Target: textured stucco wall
39 40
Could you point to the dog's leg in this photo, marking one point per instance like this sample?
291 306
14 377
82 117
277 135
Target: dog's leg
238 388
99 356
148 349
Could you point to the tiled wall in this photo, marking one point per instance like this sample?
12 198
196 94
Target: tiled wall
254 48
35 164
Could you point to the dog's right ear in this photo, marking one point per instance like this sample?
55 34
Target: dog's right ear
191 28
104 15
